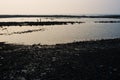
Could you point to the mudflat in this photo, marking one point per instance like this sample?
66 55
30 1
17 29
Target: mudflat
87 60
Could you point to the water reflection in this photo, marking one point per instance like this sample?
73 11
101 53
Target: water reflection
60 33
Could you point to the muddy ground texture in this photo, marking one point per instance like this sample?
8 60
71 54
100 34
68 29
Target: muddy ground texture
91 60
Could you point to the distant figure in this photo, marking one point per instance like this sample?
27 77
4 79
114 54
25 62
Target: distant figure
37 20
40 19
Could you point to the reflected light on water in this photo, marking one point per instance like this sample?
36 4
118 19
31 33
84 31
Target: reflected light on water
61 33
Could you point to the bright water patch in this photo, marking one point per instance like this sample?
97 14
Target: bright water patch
58 34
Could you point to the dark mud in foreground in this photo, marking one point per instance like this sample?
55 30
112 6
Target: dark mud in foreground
91 60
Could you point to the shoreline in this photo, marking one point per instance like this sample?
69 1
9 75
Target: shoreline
64 16
84 60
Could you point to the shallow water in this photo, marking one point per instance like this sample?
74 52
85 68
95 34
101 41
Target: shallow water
59 33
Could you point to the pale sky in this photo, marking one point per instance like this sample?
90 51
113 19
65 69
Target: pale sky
59 6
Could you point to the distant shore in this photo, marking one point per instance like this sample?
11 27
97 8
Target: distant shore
62 16
87 60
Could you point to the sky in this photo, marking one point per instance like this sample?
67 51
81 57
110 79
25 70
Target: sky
59 7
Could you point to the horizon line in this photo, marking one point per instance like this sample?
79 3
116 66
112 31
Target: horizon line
68 14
